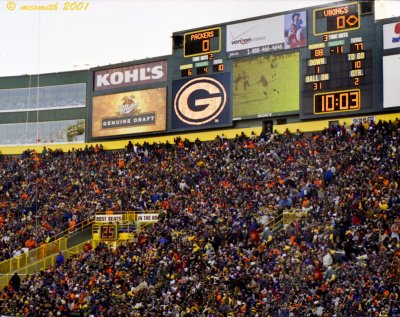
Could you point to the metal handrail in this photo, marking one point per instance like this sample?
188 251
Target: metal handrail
273 224
78 228
55 244
42 263
38 258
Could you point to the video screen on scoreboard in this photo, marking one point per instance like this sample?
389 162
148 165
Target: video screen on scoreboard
266 86
132 112
391 70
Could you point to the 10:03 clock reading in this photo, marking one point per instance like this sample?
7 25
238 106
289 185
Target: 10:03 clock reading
337 101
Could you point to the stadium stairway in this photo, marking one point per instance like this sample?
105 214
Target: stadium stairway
69 244
276 224
80 237
44 256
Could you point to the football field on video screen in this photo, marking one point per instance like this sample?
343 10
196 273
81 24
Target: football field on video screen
266 85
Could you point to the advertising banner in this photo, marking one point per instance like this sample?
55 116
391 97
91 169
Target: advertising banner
267 35
147 217
391 35
391 91
128 76
129 112
108 218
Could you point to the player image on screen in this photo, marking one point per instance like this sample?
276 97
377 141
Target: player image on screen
242 79
264 82
264 85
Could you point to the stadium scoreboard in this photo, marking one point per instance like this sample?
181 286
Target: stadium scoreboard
200 94
201 52
337 67
314 63
322 56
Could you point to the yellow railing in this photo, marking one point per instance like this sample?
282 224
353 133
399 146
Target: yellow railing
78 227
42 264
122 225
32 262
127 215
32 256
289 217
286 218
126 231
44 255
58 243
274 223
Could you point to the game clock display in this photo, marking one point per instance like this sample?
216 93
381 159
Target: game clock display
337 101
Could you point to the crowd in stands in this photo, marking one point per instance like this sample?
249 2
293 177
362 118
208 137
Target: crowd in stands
212 251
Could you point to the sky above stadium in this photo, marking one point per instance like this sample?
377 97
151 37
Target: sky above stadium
66 35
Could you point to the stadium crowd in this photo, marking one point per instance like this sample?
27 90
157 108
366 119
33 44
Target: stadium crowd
212 252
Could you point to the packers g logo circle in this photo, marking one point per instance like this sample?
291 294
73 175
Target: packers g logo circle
200 101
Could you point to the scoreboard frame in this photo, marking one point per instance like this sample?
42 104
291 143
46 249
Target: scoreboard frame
345 18
339 67
202 42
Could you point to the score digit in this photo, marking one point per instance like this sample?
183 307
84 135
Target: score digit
218 68
202 70
340 22
356 47
186 72
206 45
